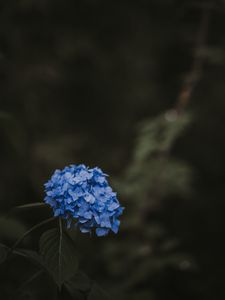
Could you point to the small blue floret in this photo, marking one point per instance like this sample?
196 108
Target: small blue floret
83 195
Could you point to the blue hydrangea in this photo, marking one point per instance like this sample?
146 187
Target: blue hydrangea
83 196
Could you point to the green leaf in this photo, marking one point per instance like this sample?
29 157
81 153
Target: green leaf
158 135
59 255
97 293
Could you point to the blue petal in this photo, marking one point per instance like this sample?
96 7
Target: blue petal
89 198
115 226
101 231
113 206
84 229
87 215
57 212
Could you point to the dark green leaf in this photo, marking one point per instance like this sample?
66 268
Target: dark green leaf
159 134
59 255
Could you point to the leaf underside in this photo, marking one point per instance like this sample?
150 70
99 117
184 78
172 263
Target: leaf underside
59 255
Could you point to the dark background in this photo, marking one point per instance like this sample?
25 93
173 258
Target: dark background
76 79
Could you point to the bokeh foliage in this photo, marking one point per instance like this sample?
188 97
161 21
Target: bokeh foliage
94 81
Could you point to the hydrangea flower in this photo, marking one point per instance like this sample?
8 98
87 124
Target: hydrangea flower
78 193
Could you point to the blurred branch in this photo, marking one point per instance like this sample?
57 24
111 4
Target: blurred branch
195 72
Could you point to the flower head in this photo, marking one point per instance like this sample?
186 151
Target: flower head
78 193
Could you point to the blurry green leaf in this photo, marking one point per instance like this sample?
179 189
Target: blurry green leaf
159 134
59 255
160 177
153 174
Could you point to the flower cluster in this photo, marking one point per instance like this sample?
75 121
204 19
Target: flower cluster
78 193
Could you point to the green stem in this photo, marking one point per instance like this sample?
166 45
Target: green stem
30 205
19 208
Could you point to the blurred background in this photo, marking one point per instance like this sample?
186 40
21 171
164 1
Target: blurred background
136 88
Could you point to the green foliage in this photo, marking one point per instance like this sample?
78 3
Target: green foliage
59 255
152 176
156 136
58 258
